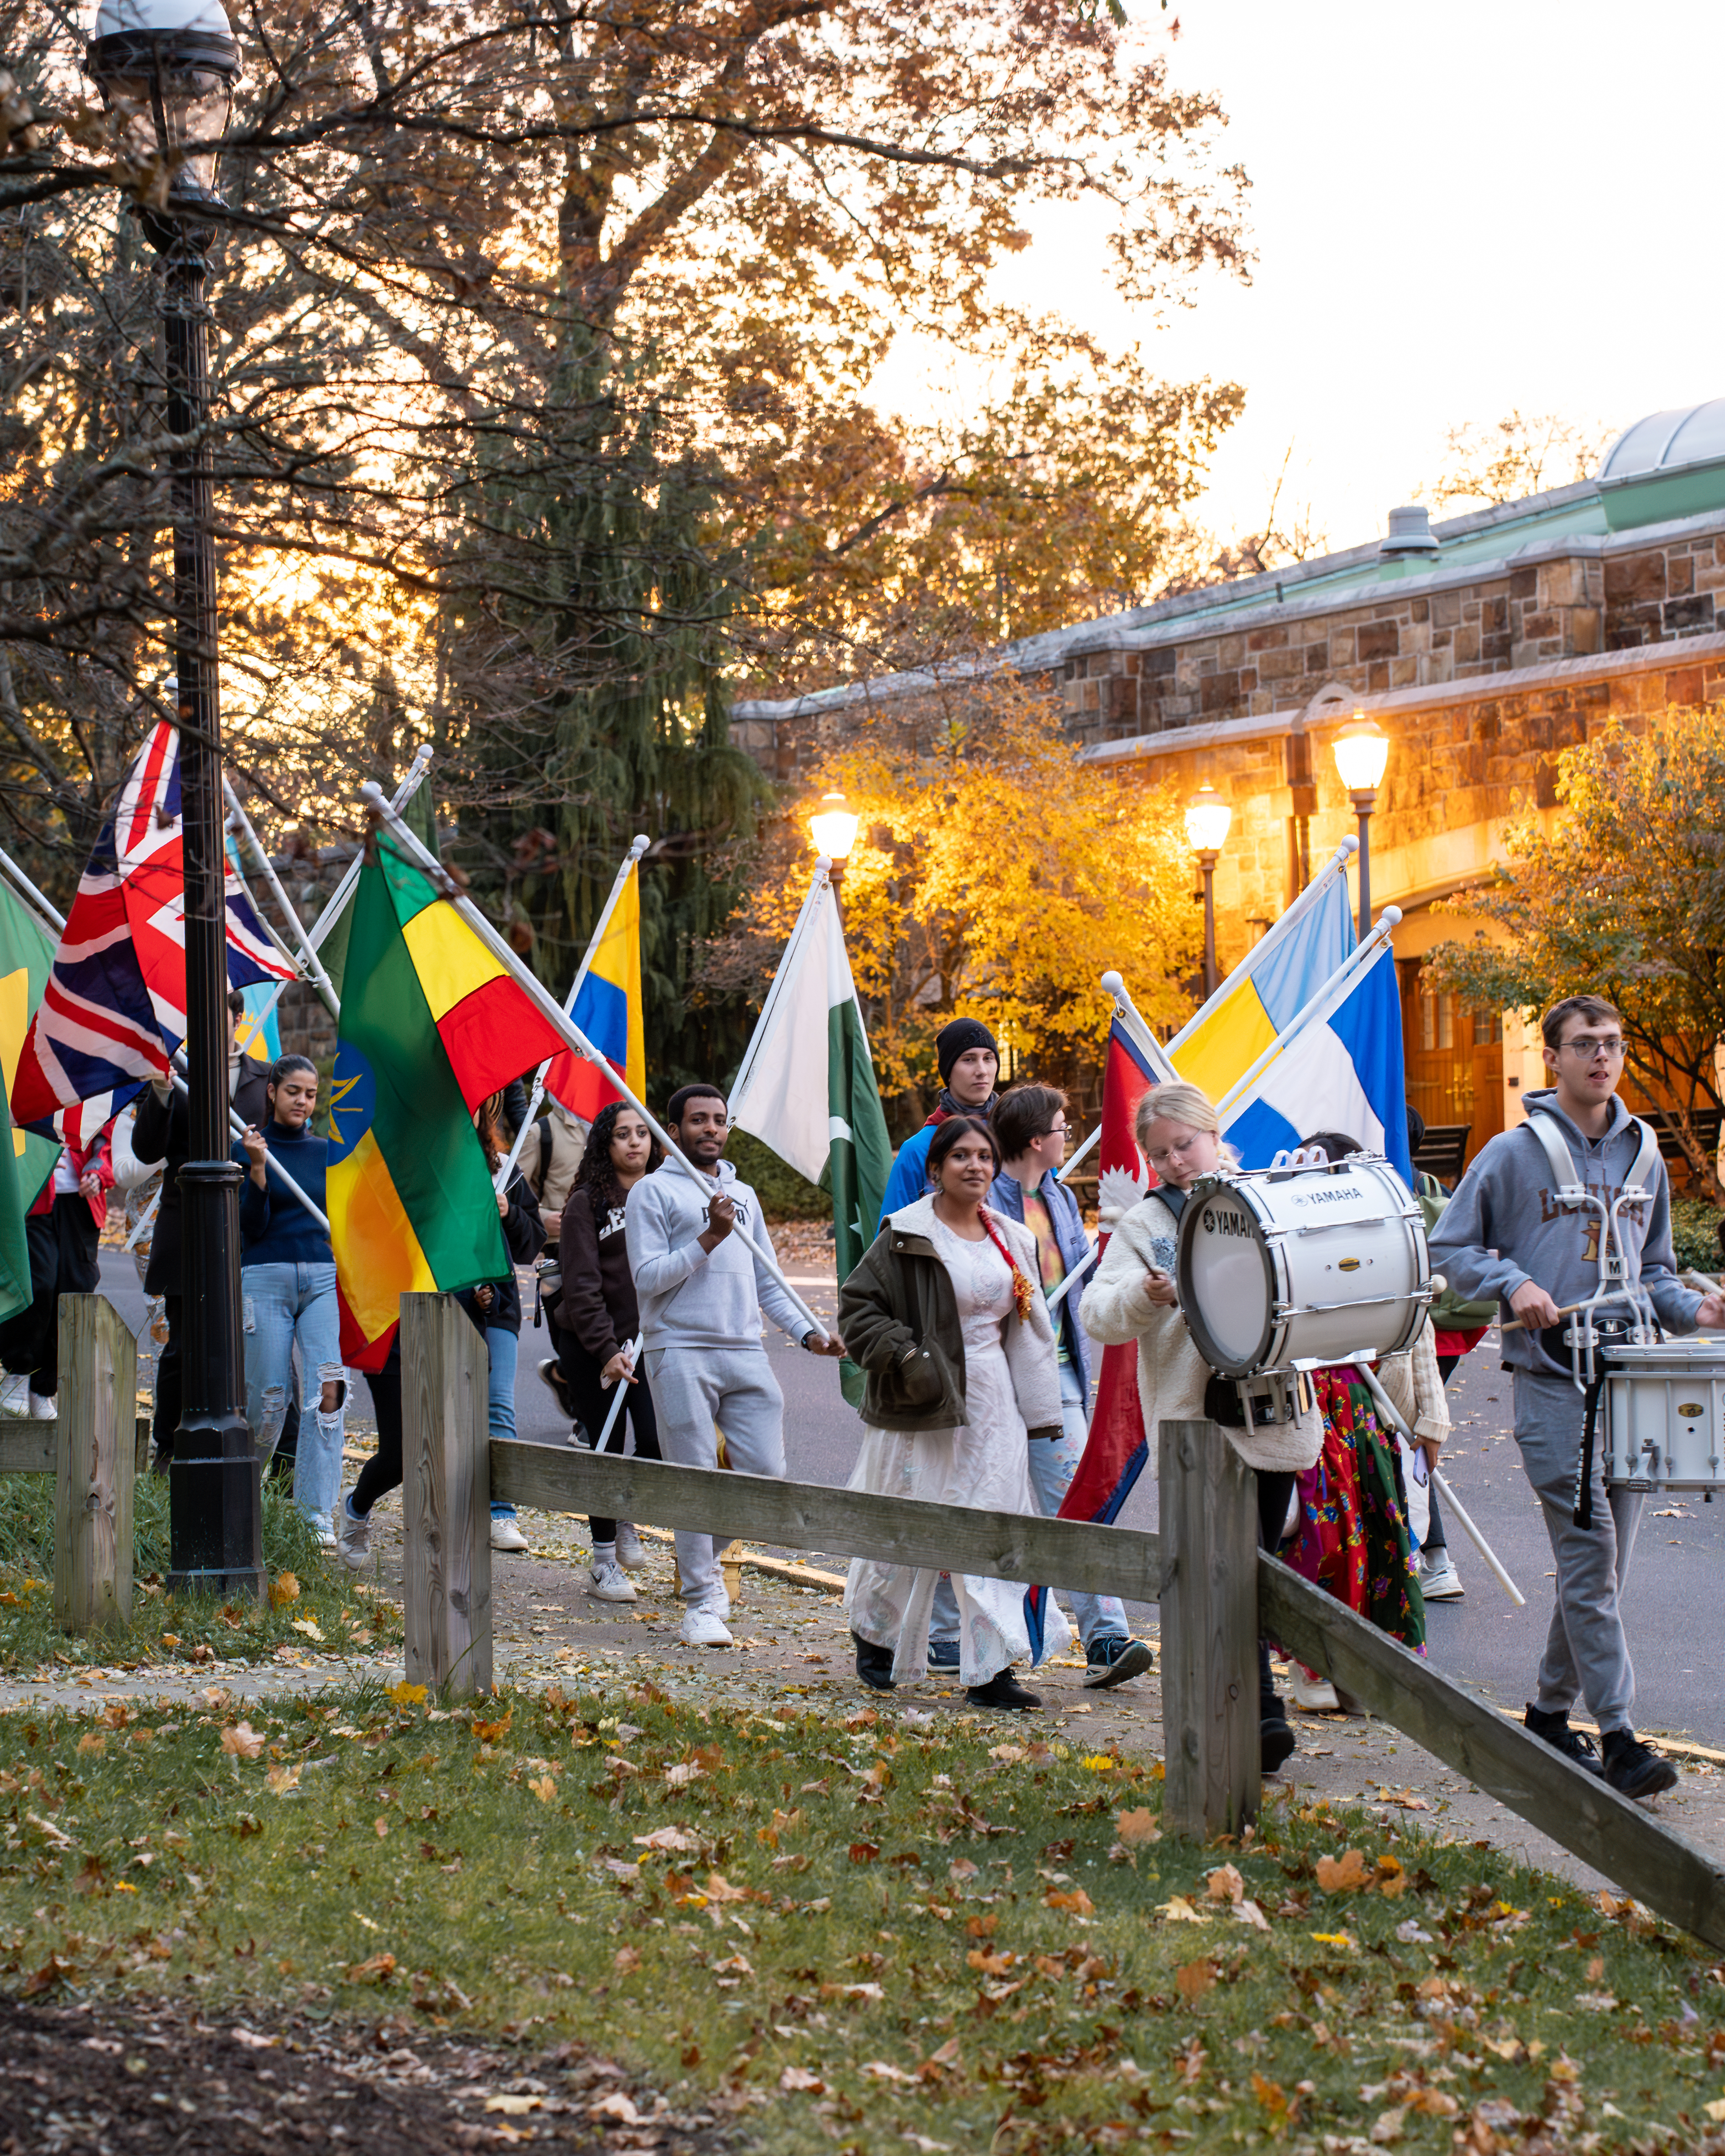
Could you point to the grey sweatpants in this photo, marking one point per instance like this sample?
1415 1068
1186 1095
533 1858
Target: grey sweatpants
694 1391
1585 1651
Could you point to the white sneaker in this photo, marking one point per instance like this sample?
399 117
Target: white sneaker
324 1530
704 1627
1315 1694
630 1553
353 1539
505 1535
610 1583
44 1406
1439 1579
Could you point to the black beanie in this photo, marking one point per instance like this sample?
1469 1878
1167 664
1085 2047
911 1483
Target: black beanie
957 1039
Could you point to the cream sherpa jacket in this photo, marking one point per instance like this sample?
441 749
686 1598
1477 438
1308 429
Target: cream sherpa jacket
1172 1373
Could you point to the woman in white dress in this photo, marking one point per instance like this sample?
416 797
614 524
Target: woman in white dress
946 1320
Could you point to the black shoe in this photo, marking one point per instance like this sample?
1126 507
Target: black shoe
1632 1770
1277 1741
1555 1730
874 1665
1003 1690
1114 1659
551 1374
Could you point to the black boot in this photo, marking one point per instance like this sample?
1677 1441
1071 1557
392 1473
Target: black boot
1632 1770
1276 1739
1555 1730
1003 1690
874 1665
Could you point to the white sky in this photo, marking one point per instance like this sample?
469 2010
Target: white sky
1457 210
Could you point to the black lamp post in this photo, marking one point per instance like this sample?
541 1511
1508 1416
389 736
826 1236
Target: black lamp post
166 69
1362 750
1208 817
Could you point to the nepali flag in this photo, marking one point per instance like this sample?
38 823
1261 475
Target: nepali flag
114 1011
1117 1448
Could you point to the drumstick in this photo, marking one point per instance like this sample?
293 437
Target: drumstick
1520 1324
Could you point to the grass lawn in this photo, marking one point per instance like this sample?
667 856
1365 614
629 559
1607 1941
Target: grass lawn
940 1932
312 1601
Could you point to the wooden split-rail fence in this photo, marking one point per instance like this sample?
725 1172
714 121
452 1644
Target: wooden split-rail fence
1216 1590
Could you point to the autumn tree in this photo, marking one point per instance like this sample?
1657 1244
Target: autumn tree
995 876
545 345
1625 897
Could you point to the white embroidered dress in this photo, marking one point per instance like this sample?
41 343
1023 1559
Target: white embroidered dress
983 1464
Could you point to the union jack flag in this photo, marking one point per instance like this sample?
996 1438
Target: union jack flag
114 1010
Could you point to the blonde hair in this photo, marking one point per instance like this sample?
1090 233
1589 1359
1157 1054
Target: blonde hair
1179 1102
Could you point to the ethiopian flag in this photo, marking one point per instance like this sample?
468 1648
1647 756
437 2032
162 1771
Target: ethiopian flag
432 1022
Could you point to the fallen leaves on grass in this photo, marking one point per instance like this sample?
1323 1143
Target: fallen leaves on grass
544 1787
1138 1827
407 1695
1075 1902
376 1968
1178 1910
279 1780
242 1741
795 2079
1345 1874
668 1837
283 1588
514 2106
1193 1978
94 1740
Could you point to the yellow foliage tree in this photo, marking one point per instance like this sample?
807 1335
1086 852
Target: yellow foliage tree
994 876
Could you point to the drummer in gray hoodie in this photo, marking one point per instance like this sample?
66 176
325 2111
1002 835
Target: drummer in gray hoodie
1504 1234
696 1247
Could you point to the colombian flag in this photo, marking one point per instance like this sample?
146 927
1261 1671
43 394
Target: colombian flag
1275 984
431 1024
608 1012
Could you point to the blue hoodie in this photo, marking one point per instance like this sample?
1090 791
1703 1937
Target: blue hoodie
275 1229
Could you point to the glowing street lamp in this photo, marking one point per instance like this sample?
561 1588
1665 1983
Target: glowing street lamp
166 69
1208 817
833 827
1361 752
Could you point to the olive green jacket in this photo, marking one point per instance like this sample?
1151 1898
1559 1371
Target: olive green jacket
899 1318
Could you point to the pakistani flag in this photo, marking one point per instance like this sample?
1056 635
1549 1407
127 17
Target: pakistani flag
807 1086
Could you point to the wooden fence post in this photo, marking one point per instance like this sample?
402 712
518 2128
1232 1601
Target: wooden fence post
446 1497
94 1464
1209 1632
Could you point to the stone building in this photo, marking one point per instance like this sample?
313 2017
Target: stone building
1483 645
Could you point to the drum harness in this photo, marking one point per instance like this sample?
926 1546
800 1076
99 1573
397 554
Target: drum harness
1620 1283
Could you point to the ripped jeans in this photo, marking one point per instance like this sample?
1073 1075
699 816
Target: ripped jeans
280 1304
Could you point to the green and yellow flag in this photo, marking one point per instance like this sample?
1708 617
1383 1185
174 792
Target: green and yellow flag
432 1022
26 958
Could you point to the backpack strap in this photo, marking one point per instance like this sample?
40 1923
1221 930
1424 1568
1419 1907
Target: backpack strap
544 1129
1571 1190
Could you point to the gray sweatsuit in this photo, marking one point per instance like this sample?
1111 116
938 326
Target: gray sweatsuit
700 1337
1503 1227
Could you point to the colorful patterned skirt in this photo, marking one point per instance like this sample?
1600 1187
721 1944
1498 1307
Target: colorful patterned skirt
1353 1536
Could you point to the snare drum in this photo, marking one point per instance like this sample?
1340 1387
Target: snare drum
1284 1268
1665 1415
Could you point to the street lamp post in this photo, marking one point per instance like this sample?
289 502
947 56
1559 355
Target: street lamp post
1362 750
833 827
166 69
1208 817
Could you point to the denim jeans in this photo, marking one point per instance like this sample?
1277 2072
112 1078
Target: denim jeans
502 1349
1054 1462
280 1304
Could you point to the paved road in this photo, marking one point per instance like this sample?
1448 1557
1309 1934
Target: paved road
1676 1612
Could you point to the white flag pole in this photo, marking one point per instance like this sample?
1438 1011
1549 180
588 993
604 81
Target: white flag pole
306 957
51 914
1355 962
620 1392
558 1018
638 846
1335 865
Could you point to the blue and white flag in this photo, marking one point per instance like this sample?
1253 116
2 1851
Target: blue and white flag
1342 1071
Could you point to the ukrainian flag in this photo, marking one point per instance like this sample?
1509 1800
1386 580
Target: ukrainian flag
1268 990
432 1022
609 1011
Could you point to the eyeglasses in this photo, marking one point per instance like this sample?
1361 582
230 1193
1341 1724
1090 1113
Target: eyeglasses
1585 1046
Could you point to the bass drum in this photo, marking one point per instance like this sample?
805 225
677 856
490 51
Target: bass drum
1289 1267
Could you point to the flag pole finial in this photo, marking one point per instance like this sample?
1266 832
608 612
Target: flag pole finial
1113 984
